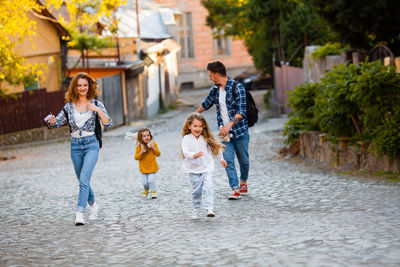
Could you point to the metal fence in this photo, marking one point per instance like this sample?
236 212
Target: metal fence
27 109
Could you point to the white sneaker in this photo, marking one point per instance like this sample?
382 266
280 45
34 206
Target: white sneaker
79 218
195 214
153 194
210 213
93 212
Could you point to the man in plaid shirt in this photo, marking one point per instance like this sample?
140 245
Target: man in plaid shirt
231 119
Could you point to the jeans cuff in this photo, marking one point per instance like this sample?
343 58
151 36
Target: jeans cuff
81 209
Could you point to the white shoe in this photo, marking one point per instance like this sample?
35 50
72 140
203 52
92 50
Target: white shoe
153 194
210 213
93 213
195 214
79 218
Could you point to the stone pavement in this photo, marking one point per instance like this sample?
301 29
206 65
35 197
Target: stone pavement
294 215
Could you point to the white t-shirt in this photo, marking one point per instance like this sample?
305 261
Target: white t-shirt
80 119
222 107
190 147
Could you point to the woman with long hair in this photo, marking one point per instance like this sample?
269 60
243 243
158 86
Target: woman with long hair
81 112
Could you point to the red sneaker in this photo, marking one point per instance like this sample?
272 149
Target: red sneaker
235 195
243 189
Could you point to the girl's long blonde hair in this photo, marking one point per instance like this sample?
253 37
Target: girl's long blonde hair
212 142
139 139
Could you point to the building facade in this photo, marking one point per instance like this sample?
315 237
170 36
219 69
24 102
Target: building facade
47 47
198 47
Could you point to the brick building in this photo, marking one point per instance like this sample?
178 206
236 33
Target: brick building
198 47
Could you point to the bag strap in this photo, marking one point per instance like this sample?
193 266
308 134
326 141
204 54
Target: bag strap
66 116
235 83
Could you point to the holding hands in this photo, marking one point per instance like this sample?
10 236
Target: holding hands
224 130
197 155
223 163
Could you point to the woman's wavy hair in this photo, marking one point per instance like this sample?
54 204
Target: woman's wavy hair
139 139
72 94
212 142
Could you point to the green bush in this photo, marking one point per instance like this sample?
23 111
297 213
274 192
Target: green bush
334 109
328 49
358 101
387 137
301 100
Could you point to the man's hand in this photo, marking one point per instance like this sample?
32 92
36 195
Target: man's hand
198 155
225 130
223 163
200 109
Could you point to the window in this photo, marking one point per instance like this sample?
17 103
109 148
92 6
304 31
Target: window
222 45
31 82
184 35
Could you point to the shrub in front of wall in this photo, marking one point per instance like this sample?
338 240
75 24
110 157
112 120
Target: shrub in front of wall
387 137
335 112
328 49
376 93
301 100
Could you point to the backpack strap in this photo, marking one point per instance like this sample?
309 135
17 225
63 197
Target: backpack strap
97 128
66 116
235 83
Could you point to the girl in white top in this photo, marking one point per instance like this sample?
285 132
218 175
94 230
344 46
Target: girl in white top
198 148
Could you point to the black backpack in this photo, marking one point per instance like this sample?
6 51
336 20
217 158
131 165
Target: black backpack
251 109
97 128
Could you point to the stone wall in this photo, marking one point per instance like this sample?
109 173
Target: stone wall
33 135
313 146
314 70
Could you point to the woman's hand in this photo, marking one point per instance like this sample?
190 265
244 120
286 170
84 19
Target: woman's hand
52 120
198 155
92 107
103 117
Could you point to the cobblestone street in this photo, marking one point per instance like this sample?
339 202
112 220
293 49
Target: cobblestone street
294 215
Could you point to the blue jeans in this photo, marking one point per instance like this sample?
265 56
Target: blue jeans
84 155
240 147
202 183
149 181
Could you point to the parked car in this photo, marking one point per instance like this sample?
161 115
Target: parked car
254 81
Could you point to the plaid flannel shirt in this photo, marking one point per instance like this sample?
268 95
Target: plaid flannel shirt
234 106
88 126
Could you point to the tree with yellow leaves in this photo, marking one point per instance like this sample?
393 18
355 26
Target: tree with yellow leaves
15 26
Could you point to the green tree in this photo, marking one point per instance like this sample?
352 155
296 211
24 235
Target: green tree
268 27
84 21
363 23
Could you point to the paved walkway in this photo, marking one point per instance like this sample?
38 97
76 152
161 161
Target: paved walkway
294 215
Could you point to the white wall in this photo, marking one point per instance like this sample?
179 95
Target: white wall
153 82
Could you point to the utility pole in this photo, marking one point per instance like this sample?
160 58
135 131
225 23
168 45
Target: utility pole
138 30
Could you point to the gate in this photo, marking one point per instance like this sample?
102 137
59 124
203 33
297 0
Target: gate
135 94
112 97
